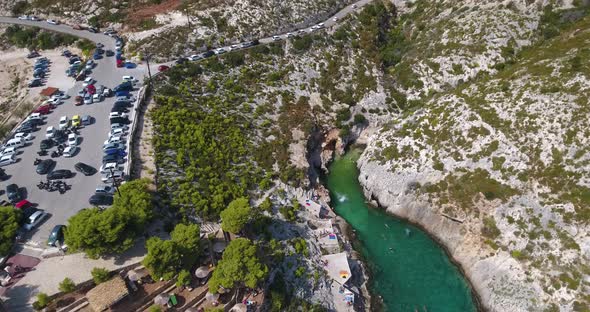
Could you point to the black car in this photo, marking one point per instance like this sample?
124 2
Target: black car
47 144
85 169
123 103
60 136
34 122
120 120
208 53
92 30
119 109
125 86
27 127
13 193
57 235
101 200
181 60
59 174
3 175
113 158
110 53
35 83
45 166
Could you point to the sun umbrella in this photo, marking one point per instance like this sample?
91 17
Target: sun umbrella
211 297
202 272
219 247
132 275
240 307
162 299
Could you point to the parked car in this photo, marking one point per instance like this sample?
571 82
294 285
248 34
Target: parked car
125 86
112 166
76 121
117 115
96 56
117 126
208 54
27 127
181 60
112 146
92 29
7 160
101 200
194 57
45 166
72 139
53 22
9 151
33 54
88 81
35 83
119 152
276 38
118 132
44 109
50 132
88 99
114 139
59 174
219 51
13 193
119 109
70 151
162 68
105 189
64 122
78 100
34 220
60 136
46 144
86 120
56 236
85 169
110 53
110 176
113 158
120 120
24 136
97 97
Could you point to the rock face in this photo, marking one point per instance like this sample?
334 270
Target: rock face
497 167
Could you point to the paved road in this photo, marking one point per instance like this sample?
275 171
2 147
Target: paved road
61 207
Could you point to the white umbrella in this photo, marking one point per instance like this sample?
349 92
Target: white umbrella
132 275
211 296
202 272
162 299
240 307
219 247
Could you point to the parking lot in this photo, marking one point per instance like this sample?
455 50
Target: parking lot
91 138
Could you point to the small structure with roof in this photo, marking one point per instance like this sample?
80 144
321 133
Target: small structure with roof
107 294
314 208
49 91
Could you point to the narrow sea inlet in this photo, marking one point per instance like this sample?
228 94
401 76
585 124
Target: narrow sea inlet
409 270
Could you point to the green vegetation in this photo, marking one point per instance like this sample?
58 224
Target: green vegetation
9 224
34 38
113 230
166 258
281 299
67 285
236 215
42 301
183 278
239 267
100 275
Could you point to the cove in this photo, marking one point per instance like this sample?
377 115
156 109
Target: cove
409 270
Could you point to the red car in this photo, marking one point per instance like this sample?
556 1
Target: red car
43 110
119 63
162 68
78 100
91 89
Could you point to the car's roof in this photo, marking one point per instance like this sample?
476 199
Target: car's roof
69 148
50 128
76 117
71 135
63 118
36 214
6 157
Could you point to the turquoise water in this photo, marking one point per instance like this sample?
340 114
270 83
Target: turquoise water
409 269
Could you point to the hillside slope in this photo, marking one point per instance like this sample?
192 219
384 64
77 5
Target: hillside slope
508 156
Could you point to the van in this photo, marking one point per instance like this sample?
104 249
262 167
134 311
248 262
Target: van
16 142
7 160
9 151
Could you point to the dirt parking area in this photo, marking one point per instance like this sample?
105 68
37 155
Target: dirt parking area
16 99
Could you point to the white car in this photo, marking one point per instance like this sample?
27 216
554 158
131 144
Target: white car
106 92
50 132
53 22
88 99
88 81
97 97
335 19
34 220
219 51
63 122
108 176
194 57
9 151
114 139
36 116
34 18
70 150
7 160
302 32
54 101
108 166
23 17
117 114
276 38
320 25
117 132
61 95
290 35
72 139
119 126
314 27
233 47
25 136
129 78
105 189
354 6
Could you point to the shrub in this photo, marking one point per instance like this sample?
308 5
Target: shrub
67 285
42 301
100 275
183 279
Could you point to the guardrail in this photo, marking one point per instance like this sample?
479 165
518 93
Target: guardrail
139 101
